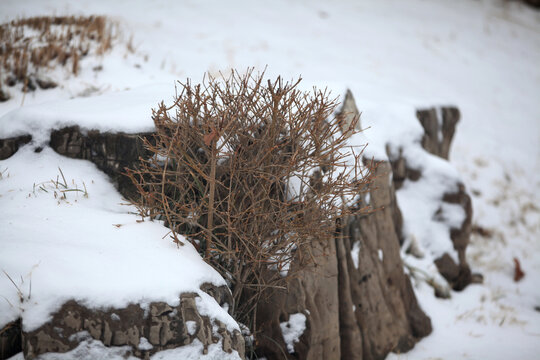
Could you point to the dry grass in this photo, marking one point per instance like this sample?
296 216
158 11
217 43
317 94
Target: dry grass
225 156
32 45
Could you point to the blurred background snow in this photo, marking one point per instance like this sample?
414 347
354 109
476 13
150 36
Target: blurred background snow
482 56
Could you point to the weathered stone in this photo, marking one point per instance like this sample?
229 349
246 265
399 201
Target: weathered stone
313 292
163 325
349 114
10 340
439 129
111 152
377 294
359 308
4 95
10 146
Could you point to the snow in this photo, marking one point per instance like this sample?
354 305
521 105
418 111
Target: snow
355 254
293 329
194 351
128 111
191 327
90 349
144 344
480 55
92 249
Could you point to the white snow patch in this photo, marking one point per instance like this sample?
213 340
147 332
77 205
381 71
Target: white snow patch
293 329
144 344
355 254
207 305
191 327
127 111
95 350
194 351
381 254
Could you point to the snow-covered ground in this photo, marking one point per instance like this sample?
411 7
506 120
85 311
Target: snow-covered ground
482 56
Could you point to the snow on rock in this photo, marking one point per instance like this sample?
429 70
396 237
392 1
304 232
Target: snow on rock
355 253
293 329
392 130
92 249
90 349
128 111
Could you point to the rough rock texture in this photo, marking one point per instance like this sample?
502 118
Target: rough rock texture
162 325
358 302
378 307
10 146
352 312
439 126
314 293
10 340
111 152
458 275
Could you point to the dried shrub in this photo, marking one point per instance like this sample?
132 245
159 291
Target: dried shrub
32 44
250 172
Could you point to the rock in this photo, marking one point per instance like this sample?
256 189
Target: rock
361 308
352 313
373 288
163 326
46 83
4 95
312 292
111 152
357 300
439 127
10 340
10 146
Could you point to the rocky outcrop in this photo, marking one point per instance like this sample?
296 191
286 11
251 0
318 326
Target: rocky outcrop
378 307
439 127
144 329
111 152
10 146
314 292
358 302
10 340
356 298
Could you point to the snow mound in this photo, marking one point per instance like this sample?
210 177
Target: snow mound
126 111
59 245
293 329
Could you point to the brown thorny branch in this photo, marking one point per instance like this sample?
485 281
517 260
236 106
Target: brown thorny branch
224 156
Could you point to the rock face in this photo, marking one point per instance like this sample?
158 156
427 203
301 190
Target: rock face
358 302
378 307
439 126
111 152
162 326
10 340
314 293
356 298
10 146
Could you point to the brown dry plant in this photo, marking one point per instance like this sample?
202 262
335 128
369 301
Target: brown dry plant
250 171
34 44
